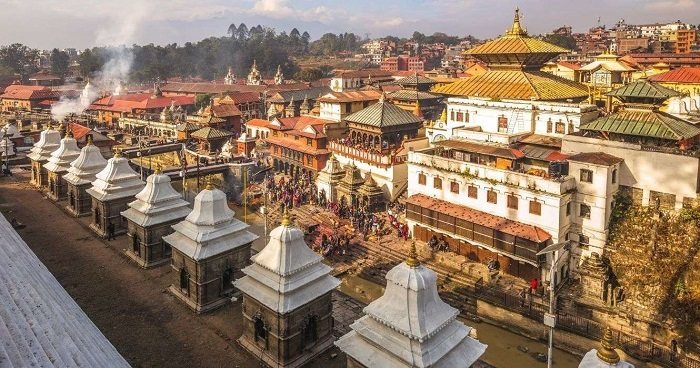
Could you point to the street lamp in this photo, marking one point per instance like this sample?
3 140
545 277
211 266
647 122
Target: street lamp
550 318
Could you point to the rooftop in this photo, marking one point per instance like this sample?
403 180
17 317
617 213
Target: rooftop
680 75
596 158
643 89
383 114
643 121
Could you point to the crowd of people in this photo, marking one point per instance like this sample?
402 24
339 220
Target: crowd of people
294 192
336 244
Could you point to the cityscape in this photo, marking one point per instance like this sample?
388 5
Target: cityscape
317 184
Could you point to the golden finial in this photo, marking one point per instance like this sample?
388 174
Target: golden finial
159 169
607 351
516 29
89 140
285 218
443 116
412 260
69 132
210 183
117 153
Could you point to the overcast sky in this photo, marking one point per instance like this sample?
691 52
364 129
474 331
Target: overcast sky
85 23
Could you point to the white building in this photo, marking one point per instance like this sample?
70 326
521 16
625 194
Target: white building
410 326
49 140
59 163
80 175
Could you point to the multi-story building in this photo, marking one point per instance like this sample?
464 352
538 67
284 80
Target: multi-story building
248 103
337 105
604 74
684 79
26 98
402 62
686 39
110 109
356 79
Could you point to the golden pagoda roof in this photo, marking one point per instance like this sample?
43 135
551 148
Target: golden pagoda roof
516 41
516 85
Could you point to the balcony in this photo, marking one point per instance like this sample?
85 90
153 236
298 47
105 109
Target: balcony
428 158
381 160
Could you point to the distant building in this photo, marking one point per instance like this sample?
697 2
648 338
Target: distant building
337 105
109 110
26 98
402 62
45 79
356 79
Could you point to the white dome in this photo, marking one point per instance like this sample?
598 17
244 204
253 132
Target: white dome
116 180
157 203
49 140
84 168
61 158
210 208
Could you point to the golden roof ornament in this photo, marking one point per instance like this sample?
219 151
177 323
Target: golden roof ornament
117 153
412 260
69 132
382 97
516 29
159 169
210 183
285 218
89 140
443 115
607 351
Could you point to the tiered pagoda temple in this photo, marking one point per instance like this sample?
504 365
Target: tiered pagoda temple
49 141
58 164
80 176
150 217
209 248
287 307
415 96
114 187
410 326
349 185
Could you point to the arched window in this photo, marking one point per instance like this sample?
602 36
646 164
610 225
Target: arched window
310 330
226 278
184 280
135 244
260 331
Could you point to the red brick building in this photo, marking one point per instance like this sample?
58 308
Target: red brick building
399 63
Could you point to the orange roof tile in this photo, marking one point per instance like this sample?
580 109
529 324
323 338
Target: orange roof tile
680 75
258 123
502 224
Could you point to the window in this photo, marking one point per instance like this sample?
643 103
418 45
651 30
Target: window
549 125
421 179
348 108
585 211
454 187
512 202
559 128
472 192
452 115
460 116
568 209
491 196
571 127
226 278
502 124
583 240
308 141
184 280
466 117
586 176
437 183
535 208
614 176
260 331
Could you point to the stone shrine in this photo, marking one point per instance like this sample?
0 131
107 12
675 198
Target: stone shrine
410 326
80 176
114 187
209 248
150 217
49 140
328 179
58 164
287 307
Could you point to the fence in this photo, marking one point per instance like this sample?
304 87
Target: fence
638 348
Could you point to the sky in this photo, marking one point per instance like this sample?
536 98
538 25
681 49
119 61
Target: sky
45 24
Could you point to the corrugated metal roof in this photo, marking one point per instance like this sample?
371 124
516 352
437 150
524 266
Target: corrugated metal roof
405 94
680 75
415 80
644 89
489 149
383 114
645 123
516 84
211 133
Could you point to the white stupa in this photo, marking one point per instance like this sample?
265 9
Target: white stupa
49 141
11 131
7 148
157 203
410 326
84 168
606 356
117 180
87 94
286 274
66 153
210 229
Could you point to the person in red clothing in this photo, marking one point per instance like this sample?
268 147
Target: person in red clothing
533 285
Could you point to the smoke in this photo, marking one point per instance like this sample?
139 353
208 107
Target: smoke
115 70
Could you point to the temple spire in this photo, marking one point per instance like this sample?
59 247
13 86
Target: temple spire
89 140
210 183
285 218
516 29
412 260
607 351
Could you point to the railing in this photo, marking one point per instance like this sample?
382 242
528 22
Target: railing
634 346
364 156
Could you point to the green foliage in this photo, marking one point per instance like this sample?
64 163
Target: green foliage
331 44
90 62
20 59
561 40
60 61
202 100
309 74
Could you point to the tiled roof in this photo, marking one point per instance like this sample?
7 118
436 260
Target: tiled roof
258 123
596 158
516 84
211 88
490 149
415 79
645 122
135 101
516 45
244 97
42 76
225 110
569 65
190 127
365 73
22 92
296 146
351 96
680 75
610 65
211 133
405 94
502 224
644 89
383 114
299 95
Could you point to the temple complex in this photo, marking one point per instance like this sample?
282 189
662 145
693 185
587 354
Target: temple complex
605 356
80 176
328 179
58 164
209 248
254 77
49 141
150 216
287 307
114 187
410 326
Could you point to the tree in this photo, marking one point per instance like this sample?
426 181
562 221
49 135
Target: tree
20 59
60 61
232 30
242 31
561 40
418 37
89 63
309 74
202 100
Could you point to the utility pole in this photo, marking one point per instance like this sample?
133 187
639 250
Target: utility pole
550 318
